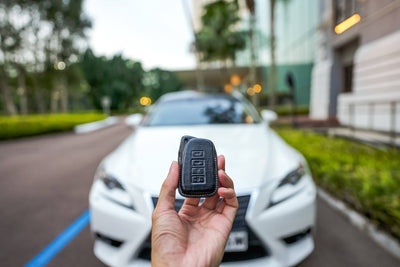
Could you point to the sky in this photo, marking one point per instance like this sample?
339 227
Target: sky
154 32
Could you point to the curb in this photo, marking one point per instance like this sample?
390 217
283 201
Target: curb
361 222
94 126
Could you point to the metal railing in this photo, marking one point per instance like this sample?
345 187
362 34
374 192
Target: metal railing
393 115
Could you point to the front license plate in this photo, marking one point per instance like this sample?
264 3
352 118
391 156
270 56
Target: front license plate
237 241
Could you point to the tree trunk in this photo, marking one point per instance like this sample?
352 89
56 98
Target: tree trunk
199 73
252 70
39 96
22 92
59 94
55 96
64 94
272 73
7 97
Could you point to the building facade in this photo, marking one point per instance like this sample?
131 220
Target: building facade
356 75
295 27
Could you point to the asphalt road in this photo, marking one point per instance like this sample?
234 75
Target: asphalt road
44 186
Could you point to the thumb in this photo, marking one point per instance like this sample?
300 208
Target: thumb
166 200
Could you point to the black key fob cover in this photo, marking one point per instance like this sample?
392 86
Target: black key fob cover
198 167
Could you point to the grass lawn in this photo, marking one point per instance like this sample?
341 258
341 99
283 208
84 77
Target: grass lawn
366 178
21 126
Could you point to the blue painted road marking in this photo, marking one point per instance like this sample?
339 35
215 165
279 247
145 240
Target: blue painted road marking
60 241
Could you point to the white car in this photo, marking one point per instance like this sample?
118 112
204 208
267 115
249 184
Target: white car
275 221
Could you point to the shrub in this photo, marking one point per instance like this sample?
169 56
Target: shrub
21 126
287 110
366 178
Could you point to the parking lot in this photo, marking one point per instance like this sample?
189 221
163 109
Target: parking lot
44 187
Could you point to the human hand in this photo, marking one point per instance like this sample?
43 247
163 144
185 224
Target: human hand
197 235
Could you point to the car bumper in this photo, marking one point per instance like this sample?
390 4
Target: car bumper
285 229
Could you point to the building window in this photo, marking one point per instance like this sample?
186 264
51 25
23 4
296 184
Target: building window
344 9
348 78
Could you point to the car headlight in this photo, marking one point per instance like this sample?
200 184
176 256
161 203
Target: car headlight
288 186
115 191
109 181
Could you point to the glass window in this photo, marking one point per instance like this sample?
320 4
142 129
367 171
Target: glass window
203 110
345 9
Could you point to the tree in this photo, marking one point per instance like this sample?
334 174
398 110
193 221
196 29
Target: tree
158 82
252 69
118 78
218 40
35 36
10 43
68 25
272 73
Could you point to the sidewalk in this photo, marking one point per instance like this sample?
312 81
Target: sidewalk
94 126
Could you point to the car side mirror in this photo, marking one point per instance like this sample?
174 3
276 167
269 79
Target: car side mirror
134 120
268 115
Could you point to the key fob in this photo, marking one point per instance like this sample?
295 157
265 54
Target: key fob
198 167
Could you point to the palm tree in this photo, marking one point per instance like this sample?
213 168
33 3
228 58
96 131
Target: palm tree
252 70
272 73
218 40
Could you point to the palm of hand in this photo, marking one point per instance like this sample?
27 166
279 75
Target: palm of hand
197 235
194 233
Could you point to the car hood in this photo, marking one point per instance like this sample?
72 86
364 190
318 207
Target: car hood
254 154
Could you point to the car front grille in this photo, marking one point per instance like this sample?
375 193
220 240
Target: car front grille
256 249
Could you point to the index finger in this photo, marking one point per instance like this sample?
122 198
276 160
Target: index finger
166 199
221 162
229 205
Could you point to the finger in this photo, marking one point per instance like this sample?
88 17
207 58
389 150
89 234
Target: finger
226 190
229 205
224 182
190 207
221 162
224 179
229 196
166 199
191 201
211 202
221 206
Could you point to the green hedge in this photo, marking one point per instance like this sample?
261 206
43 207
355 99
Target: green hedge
366 178
287 110
21 126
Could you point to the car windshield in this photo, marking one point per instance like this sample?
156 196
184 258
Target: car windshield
205 110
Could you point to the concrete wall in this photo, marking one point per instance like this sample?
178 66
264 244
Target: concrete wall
320 95
382 17
321 78
375 100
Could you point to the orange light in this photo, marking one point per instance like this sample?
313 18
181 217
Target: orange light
145 101
257 88
345 25
228 88
250 91
235 80
249 119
